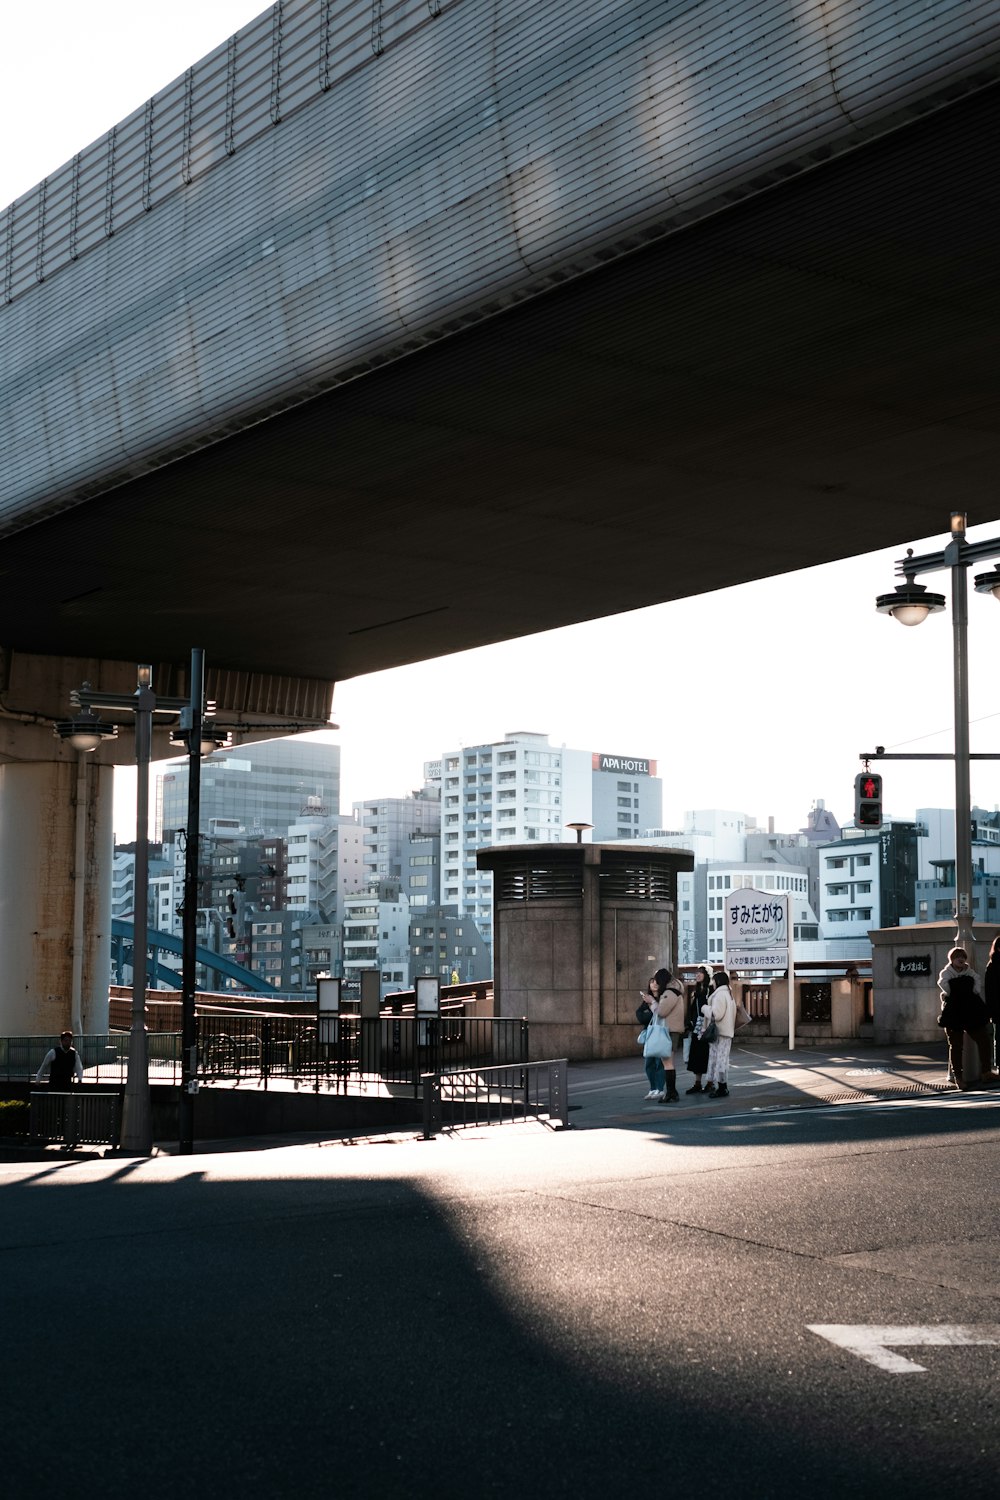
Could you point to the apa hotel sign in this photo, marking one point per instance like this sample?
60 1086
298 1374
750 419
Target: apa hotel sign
625 765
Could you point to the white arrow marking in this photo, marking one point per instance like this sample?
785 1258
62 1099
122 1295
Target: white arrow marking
868 1340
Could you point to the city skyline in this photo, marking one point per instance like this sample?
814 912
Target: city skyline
796 675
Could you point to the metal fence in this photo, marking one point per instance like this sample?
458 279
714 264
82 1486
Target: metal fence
395 1050
104 1057
81 1118
496 1096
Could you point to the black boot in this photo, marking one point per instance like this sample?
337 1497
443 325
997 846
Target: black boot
671 1096
722 1092
695 1088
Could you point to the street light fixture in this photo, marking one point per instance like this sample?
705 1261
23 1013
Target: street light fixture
581 829
910 604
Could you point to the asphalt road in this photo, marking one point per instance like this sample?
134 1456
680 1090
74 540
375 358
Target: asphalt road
618 1309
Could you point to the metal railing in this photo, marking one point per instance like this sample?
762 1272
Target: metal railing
389 1049
496 1096
80 1118
104 1057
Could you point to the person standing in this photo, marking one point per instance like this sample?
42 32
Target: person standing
720 1008
657 1044
63 1063
991 991
698 1050
963 1012
671 1013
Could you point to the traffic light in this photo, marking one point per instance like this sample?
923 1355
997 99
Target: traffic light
868 800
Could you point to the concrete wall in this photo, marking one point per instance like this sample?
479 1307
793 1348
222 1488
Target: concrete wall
906 1006
575 970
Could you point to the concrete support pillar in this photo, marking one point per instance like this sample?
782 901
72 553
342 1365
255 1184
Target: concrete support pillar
42 917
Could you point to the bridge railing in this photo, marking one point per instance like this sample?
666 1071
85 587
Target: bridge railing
394 1050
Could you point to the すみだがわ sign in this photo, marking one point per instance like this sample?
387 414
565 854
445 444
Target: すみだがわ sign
756 930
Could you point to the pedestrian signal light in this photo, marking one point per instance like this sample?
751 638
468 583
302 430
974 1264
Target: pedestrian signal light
868 800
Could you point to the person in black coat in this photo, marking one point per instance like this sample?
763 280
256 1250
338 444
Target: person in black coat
963 1011
991 990
698 1050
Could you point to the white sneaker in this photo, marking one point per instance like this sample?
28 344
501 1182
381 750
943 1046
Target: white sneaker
653 1094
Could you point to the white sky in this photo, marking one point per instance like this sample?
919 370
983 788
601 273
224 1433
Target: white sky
822 676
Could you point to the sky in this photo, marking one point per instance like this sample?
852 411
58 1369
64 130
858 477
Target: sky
667 683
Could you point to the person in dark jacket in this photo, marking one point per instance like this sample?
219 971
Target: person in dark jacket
63 1063
698 1049
963 1012
991 991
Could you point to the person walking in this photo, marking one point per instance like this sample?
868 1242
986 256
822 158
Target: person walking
964 1013
697 1061
720 1008
63 1063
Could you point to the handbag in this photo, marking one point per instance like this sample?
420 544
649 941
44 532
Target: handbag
642 1035
743 1016
710 1032
659 1042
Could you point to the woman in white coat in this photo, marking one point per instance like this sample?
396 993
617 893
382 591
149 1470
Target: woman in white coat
720 1008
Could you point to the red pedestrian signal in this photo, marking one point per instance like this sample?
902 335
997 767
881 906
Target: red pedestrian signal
868 800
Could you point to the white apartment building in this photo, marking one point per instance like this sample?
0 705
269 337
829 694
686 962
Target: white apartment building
311 866
710 834
523 790
850 895
377 935
717 878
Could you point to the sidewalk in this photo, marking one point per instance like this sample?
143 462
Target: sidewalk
610 1094
762 1077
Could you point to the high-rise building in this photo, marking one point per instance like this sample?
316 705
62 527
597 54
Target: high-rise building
523 790
253 789
386 823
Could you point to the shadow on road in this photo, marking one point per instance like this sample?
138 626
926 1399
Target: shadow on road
343 1337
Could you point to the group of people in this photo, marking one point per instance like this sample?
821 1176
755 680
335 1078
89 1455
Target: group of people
706 1016
970 1008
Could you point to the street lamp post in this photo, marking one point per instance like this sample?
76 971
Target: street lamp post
191 721
198 734
910 604
137 1115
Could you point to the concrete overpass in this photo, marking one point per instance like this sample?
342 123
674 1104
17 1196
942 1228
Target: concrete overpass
392 329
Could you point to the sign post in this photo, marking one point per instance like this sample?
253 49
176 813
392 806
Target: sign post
759 936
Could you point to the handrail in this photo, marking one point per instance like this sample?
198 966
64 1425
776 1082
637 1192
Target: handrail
494 1095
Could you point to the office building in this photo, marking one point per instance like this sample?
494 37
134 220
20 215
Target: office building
252 789
387 822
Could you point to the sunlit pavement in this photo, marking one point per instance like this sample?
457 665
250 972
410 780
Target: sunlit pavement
761 1078
612 1093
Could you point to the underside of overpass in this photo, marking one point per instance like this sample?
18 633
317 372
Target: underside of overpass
805 376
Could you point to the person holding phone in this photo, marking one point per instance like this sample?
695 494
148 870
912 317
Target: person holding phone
663 1035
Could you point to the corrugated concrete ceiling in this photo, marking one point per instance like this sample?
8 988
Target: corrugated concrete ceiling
807 376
